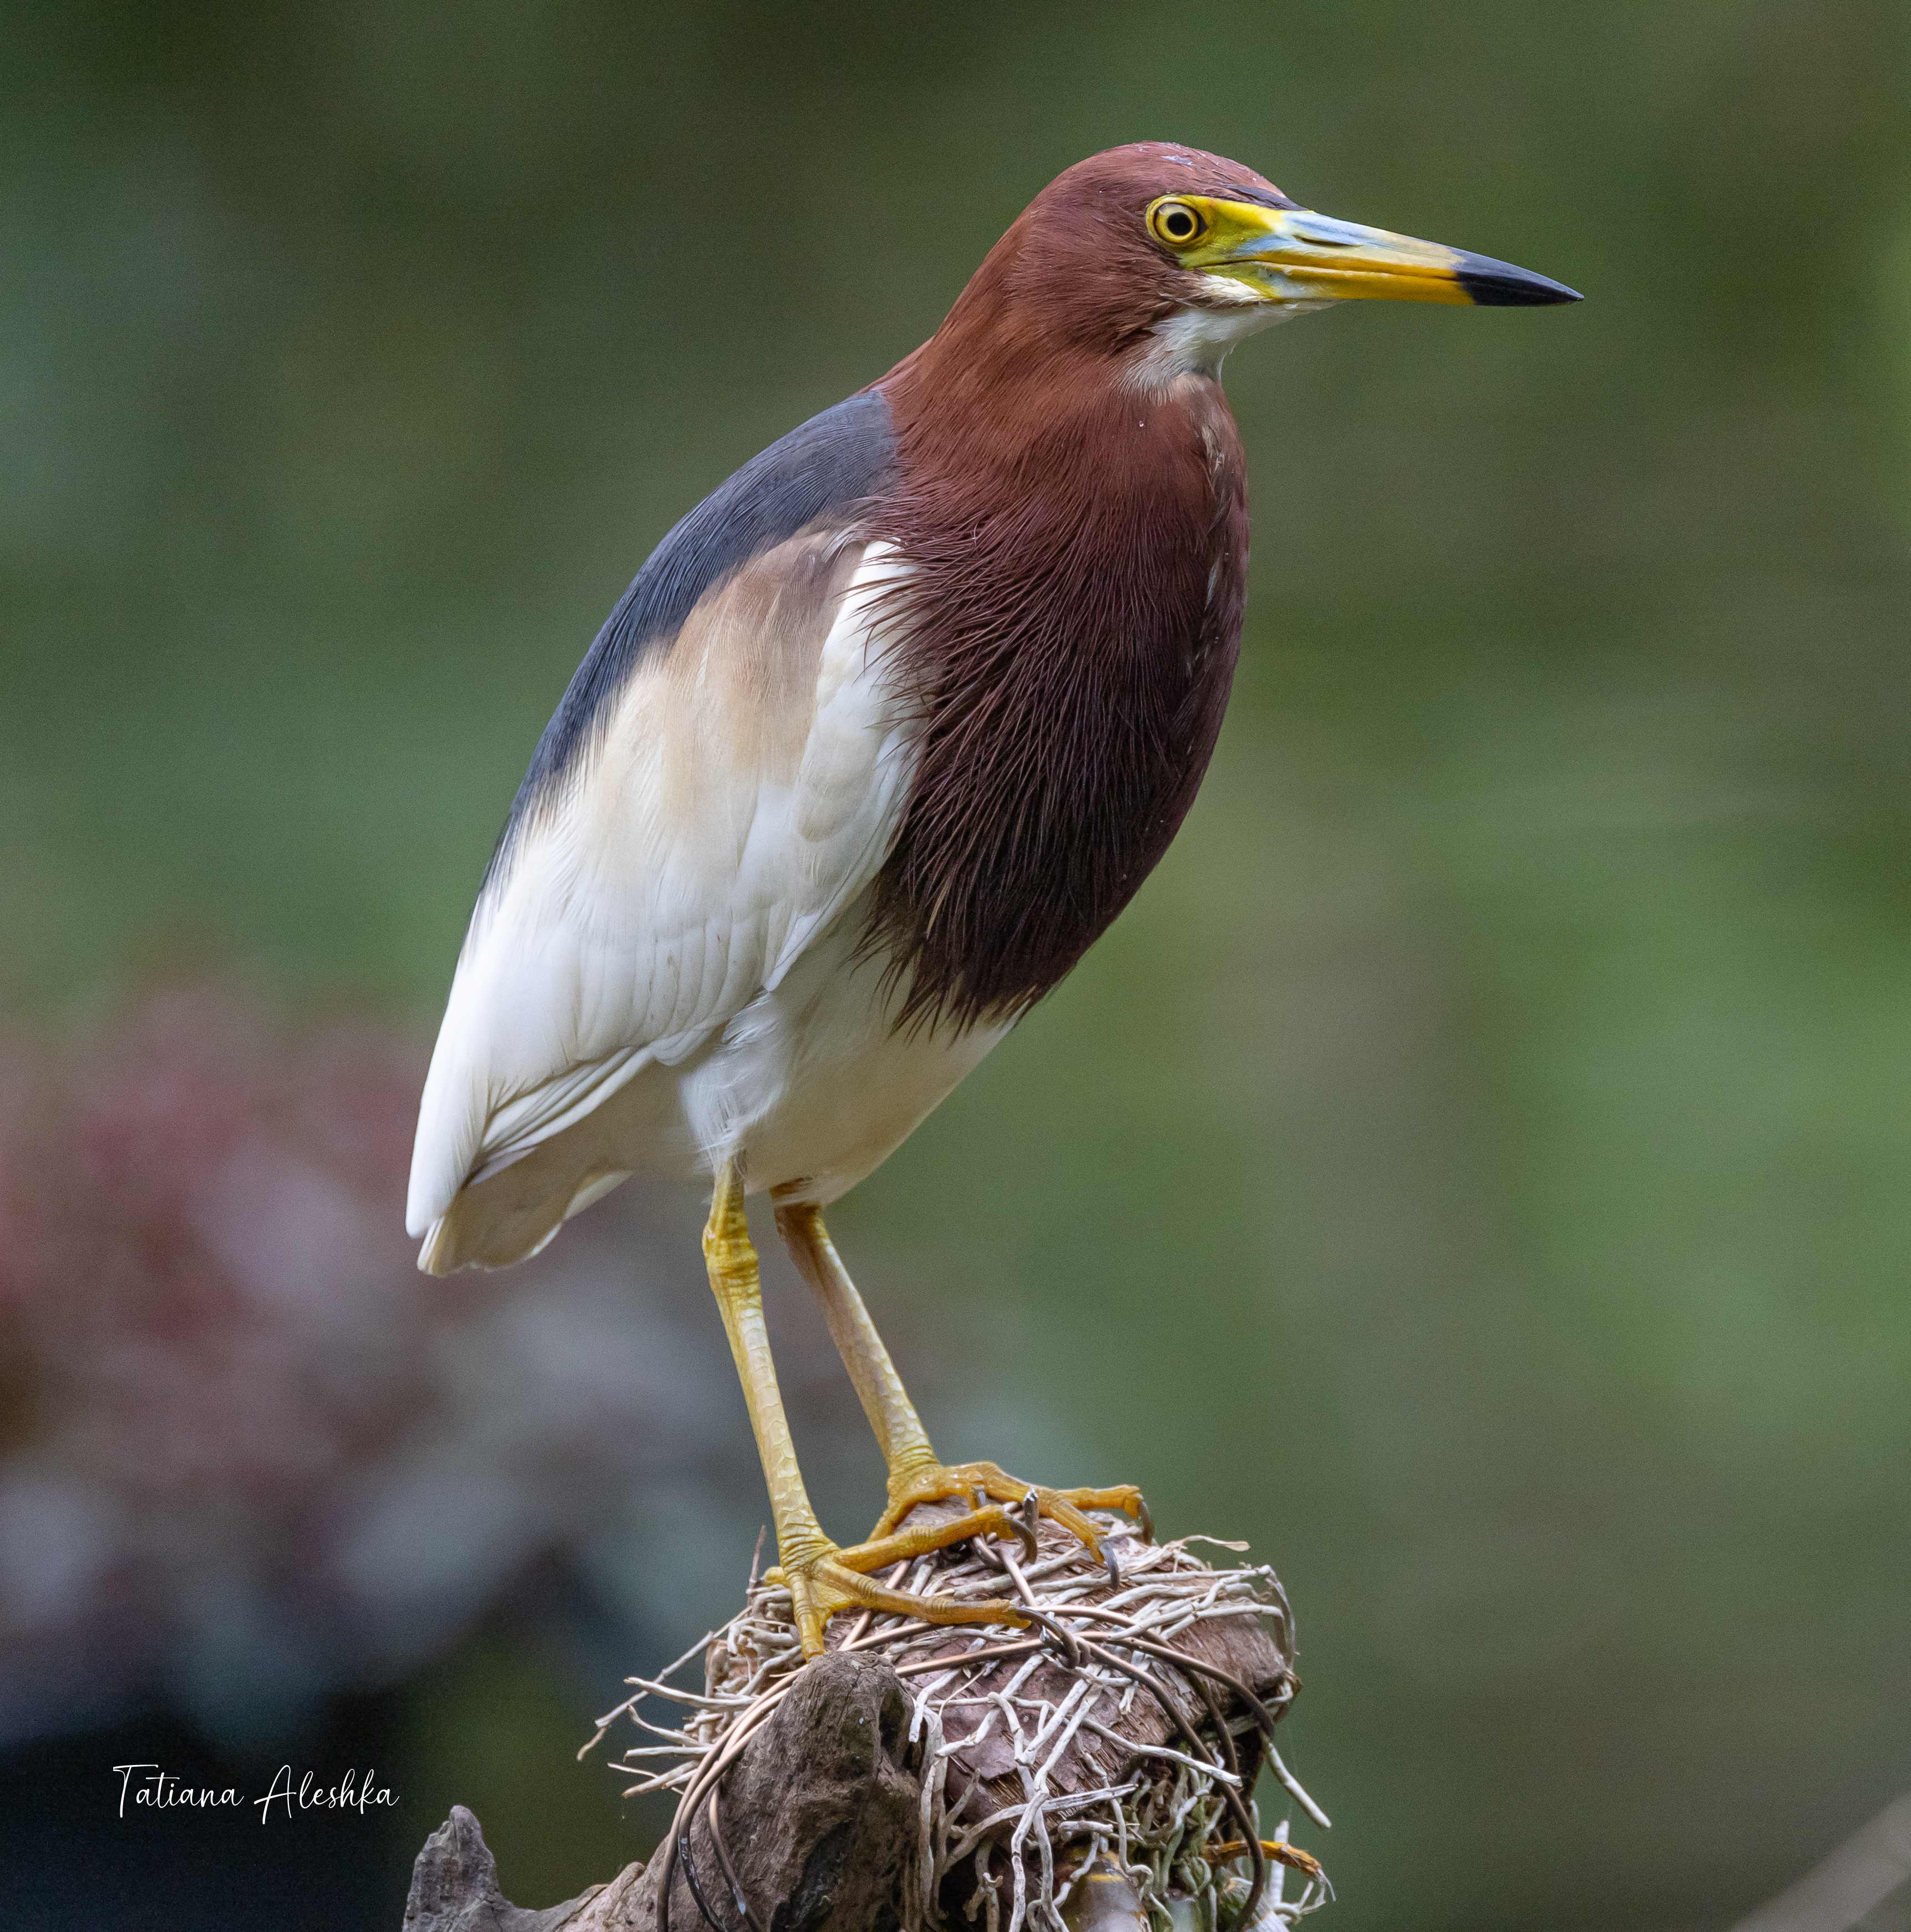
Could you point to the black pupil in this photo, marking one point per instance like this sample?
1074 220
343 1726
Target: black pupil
1179 222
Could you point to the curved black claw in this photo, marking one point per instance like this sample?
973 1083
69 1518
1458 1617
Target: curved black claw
1031 1515
1071 1645
1025 1520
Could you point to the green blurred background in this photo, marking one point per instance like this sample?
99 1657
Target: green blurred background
1474 1168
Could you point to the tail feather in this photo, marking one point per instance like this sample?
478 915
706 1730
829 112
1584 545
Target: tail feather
493 1223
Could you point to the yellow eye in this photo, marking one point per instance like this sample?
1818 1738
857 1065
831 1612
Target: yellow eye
1175 222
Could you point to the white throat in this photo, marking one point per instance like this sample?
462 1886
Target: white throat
1195 341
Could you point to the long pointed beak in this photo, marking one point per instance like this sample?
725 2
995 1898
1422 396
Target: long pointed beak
1294 255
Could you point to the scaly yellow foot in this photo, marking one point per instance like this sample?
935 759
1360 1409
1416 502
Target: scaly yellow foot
823 1578
936 1482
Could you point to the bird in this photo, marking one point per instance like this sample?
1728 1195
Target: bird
877 742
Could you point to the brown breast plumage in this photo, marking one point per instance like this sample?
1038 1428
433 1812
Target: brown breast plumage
1077 558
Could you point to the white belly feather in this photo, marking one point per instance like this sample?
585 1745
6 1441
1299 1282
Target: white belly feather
812 1084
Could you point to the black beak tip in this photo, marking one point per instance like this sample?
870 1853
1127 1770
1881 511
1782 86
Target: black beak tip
1493 284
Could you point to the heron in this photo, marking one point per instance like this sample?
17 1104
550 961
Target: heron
876 744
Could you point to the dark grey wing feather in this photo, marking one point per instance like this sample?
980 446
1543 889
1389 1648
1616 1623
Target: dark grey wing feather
823 467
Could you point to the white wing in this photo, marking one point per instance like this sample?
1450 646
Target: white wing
744 786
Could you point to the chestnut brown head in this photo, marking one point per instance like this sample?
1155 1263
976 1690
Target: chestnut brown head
1156 240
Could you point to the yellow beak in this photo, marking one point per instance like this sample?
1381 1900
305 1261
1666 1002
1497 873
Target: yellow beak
1294 255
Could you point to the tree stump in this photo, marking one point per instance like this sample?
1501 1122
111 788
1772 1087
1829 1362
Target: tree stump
1096 1767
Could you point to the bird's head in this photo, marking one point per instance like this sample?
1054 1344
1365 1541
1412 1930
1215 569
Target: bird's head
1170 256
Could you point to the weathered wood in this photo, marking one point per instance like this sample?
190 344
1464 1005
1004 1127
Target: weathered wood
454 1887
821 1818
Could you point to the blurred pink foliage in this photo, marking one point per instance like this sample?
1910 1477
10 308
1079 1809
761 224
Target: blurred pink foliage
248 1454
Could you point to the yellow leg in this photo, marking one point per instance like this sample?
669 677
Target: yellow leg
916 1475
822 1579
